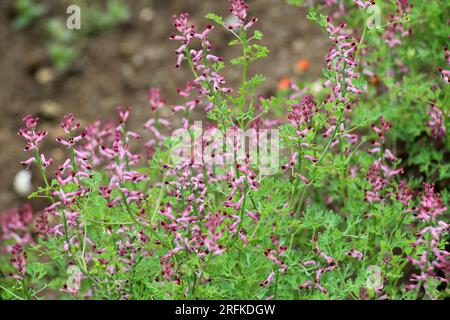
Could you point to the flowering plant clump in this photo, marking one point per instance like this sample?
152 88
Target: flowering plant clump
340 193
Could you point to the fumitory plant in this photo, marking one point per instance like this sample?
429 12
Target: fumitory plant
355 205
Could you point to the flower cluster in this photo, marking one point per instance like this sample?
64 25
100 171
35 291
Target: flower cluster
19 261
341 62
445 74
331 264
207 81
430 206
380 173
433 261
15 226
275 255
437 123
239 10
395 31
302 114
364 4
33 139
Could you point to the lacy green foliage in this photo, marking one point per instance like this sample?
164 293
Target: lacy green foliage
341 219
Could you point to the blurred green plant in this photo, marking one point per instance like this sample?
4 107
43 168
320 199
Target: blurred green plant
27 11
65 46
62 48
101 19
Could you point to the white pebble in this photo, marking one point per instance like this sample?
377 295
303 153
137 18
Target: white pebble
22 182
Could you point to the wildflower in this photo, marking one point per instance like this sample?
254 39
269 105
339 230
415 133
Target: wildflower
33 139
284 83
395 30
404 195
430 206
291 162
331 264
339 11
267 280
341 61
437 123
301 115
302 65
239 10
155 100
42 225
15 225
305 285
380 173
207 81
430 256
70 126
445 74
275 254
364 4
19 261
355 254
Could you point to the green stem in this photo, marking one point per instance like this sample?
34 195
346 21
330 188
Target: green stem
41 169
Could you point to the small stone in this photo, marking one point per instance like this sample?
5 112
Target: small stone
22 183
44 75
299 46
127 48
147 14
50 109
316 87
138 60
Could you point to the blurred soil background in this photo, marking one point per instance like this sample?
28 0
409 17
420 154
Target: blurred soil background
117 64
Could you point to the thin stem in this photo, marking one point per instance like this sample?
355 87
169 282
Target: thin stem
41 168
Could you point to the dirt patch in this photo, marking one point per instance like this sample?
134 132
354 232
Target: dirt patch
118 66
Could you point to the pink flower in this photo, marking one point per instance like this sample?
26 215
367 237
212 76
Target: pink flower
268 280
33 139
445 74
301 115
207 82
155 100
239 10
15 224
70 126
395 31
331 264
341 60
275 255
431 204
19 261
437 123
355 254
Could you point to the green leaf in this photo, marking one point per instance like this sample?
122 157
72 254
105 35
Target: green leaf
216 18
258 35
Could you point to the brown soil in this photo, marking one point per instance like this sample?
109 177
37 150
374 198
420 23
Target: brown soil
118 66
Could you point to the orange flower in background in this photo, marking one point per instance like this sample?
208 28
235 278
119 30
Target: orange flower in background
375 80
302 65
284 83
